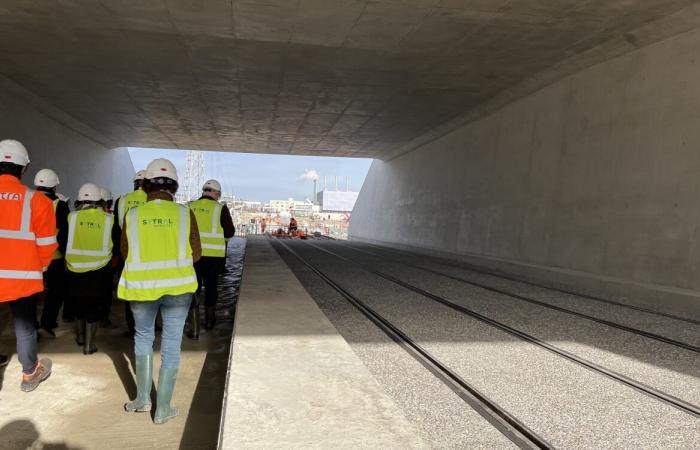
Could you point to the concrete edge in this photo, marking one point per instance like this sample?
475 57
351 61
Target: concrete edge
659 297
224 401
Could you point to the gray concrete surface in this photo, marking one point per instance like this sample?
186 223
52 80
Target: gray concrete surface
569 406
57 141
343 77
294 382
590 180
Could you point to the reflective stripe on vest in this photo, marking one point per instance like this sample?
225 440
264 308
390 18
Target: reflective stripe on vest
211 233
23 234
89 240
56 254
159 261
21 274
128 201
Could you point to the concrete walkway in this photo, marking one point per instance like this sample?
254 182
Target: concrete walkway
81 405
294 381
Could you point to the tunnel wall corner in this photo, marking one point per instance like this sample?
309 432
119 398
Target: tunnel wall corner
590 182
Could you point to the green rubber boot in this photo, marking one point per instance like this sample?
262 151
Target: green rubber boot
166 386
144 382
80 332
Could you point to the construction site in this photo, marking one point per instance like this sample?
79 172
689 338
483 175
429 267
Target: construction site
518 270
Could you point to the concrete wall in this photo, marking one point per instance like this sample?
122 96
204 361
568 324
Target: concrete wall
54 141
593 181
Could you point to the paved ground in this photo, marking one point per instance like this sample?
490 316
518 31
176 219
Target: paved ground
569 406
81 405
295 383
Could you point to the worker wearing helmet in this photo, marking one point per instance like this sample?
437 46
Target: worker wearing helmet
127 201
215 228
160 244
88 260
46 182
107 198
28 242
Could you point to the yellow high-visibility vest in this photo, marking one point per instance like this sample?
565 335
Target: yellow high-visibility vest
159 261
211 233
89 240
128 201
57 253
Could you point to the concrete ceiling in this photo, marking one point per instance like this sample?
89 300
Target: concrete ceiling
326 77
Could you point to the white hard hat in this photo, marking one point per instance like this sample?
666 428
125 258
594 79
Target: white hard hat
89 192
46 178
212 184
14 152
140 175
161 168
62 197
106 194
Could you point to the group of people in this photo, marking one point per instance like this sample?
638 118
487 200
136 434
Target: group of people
162 253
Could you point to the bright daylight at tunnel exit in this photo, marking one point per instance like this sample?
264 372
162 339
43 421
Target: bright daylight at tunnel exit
376 224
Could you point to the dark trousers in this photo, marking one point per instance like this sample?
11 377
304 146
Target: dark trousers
55 295
106 299
24 316
88 308
208 270
86 291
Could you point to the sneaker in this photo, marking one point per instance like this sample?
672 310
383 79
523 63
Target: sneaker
41 373
4 360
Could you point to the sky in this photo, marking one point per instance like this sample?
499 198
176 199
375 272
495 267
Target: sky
258 177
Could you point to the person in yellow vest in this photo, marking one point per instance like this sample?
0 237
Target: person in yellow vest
160 244
88 260
215 229
127 201
46 182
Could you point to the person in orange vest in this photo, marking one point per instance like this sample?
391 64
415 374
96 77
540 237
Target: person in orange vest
28 242
46 182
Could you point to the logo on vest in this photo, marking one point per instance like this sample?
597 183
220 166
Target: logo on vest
10 196
158 222
90 225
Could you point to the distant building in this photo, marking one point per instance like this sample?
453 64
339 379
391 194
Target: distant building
291 207
336 201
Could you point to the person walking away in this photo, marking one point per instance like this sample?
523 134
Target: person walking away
46 182
28 242
160 244
215 229
127 201
88 260
108 198
109 285
292 229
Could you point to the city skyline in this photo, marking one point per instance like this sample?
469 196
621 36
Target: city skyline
264 177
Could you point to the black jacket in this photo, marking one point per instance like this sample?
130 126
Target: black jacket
62 211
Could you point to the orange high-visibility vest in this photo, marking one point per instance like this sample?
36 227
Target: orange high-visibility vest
27 239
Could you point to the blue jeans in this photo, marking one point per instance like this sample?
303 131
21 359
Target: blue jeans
24 314
173 310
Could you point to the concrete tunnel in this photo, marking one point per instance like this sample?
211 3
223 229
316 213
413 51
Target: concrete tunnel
551 140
